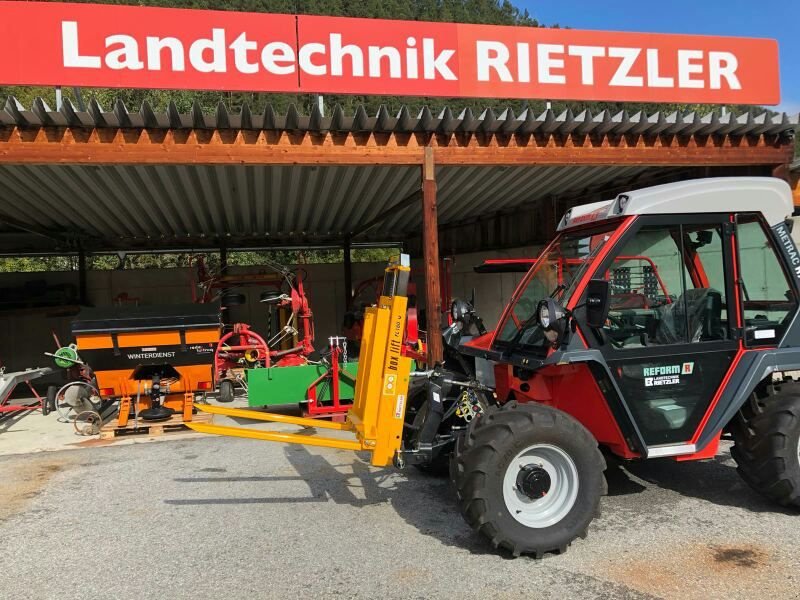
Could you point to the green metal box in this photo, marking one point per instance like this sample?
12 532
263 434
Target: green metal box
288 385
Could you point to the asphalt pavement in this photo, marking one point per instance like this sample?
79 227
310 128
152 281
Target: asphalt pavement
208 517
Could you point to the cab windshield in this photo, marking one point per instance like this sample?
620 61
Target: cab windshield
556 273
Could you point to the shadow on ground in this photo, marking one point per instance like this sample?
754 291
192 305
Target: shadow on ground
10 419
428 503
425 502
715 481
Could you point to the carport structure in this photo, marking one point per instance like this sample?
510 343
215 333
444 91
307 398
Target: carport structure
97 180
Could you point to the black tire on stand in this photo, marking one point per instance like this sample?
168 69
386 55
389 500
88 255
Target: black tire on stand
226 391
766 435
233 299
529 478
49 404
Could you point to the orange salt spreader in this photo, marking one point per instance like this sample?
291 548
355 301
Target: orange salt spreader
153 358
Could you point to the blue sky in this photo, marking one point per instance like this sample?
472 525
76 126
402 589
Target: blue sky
778 19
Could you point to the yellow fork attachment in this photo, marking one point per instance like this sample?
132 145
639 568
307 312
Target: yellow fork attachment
274 436
378 412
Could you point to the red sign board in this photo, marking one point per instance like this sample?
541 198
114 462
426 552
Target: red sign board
141 47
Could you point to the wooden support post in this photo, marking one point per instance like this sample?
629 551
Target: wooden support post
348 273
794 181
781 172
784 172
430 249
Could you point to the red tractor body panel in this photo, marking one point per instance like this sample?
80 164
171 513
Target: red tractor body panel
572 389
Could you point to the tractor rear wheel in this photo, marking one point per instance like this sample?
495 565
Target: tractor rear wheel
766 448
528 477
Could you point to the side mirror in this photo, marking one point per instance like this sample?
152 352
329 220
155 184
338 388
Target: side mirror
598 302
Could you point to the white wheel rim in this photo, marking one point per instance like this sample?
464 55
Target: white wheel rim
560 497
67 412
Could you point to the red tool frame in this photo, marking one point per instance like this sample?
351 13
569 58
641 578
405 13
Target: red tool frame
314 407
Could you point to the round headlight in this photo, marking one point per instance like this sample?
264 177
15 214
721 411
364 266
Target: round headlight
544 315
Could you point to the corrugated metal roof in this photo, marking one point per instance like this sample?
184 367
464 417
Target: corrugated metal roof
174 202
447 121
469 191
169 206
163 206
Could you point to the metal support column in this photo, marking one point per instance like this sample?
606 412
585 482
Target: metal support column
348 273
430 248
223 258
83 299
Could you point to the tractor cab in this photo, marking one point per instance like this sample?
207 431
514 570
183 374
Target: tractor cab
652 298
651 324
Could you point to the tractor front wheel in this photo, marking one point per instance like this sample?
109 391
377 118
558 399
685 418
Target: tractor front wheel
766 449
529 478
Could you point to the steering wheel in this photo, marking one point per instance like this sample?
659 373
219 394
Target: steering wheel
622 327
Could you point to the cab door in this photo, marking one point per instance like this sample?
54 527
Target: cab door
768 294
671 333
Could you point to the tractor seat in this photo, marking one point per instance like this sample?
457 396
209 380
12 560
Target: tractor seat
703 309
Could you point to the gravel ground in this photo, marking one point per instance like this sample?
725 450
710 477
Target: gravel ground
210 517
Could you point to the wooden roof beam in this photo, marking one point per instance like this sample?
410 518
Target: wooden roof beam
136 146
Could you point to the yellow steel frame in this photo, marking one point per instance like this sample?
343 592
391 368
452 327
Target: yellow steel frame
375 421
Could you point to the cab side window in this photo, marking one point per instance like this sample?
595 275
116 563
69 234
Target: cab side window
668 287
705 256
768 299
